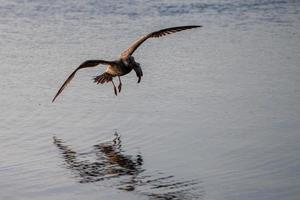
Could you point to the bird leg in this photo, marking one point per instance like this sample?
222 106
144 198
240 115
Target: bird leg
115 89
120 84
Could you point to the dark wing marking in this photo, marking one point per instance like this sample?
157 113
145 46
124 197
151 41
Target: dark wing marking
86 64
155 34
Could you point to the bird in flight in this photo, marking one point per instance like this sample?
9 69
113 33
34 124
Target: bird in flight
124 64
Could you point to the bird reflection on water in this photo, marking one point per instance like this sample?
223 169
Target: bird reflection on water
125 172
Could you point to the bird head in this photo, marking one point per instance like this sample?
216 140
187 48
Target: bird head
131 60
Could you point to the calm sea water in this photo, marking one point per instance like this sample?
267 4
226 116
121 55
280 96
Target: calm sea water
216 115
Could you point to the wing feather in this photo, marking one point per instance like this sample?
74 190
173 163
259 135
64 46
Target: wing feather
86 64
156 34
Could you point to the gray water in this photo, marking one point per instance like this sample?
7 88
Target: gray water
216 115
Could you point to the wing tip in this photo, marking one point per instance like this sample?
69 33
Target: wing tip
195 26
58 93
190 26
54 99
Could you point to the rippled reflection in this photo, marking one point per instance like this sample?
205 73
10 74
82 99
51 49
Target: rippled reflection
125 172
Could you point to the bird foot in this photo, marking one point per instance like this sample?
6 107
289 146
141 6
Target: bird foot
120 87
115 89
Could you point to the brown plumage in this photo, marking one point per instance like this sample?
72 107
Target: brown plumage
124 64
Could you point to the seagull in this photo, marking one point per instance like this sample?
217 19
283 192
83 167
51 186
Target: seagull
125 64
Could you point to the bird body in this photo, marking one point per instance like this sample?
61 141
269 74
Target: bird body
125 64
119 68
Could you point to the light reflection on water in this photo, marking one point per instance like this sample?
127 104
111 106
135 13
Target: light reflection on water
111 162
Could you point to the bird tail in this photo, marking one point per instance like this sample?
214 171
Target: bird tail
103 78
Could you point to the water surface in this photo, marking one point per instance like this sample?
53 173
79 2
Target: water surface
216 115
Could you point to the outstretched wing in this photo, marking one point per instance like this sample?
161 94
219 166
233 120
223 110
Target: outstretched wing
155 34
86 64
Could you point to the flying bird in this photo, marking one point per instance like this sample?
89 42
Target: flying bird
125 64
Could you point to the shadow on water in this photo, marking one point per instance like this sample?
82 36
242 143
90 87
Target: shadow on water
125 172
